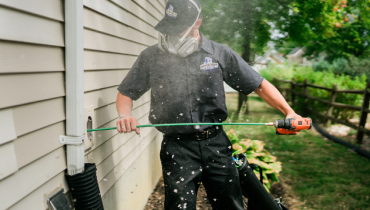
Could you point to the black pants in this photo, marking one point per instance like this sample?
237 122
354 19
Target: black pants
186 163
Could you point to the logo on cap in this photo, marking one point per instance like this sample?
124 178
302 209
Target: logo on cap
208 65
170 12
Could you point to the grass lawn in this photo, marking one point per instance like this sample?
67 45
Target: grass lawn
323 174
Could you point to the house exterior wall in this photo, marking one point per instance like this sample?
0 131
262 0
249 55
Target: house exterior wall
296 58
32 99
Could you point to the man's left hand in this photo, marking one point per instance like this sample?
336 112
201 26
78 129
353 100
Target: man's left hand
293 115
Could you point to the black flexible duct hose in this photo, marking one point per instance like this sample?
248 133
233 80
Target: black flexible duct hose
85 189
342 142
252 188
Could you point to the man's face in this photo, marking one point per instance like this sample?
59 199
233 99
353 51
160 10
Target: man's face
189 34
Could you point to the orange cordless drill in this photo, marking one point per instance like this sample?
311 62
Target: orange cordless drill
291 126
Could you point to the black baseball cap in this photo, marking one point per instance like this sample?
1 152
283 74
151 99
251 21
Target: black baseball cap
179 15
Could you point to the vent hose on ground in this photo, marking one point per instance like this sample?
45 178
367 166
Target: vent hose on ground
252 188
85 189
342 142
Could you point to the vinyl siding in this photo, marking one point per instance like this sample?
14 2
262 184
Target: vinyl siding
32 89
24 27
32 75
116 32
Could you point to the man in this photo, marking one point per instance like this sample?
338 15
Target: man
185 73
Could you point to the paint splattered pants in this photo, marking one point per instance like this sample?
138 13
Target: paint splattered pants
186 163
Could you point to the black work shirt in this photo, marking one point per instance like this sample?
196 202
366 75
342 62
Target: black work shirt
189 89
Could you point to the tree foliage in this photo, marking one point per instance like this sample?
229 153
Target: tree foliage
242 25
338 28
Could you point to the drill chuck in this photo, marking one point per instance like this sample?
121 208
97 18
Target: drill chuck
284 123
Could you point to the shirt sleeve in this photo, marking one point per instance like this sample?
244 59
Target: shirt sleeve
239 75
137 81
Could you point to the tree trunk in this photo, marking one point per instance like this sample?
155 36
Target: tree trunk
247 46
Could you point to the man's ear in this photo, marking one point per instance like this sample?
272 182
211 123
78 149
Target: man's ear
197 24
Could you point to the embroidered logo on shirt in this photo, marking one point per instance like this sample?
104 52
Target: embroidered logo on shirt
170 12
208 65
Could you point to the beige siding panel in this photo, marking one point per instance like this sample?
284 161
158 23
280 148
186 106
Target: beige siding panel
96 99
34 116
31 177
95 60
22 27
102 137
94 80
98 22
115 151
133 8
32 146
140 113
108 113
105 114
111 10
19 89
163 3
20 57
35 200
145 5
107 135
48 8
157 5
113 145
98 41
7 128
8 160
120 168
138 181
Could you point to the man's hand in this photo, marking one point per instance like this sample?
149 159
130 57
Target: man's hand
127 124
293 115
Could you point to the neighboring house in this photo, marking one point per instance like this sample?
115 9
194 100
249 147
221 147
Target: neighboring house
32 100
296 57
261 62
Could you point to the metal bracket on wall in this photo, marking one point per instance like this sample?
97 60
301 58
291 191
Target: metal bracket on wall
71 139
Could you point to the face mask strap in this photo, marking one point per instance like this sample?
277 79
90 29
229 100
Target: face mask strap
183 37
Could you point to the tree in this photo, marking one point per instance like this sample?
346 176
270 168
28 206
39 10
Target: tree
242 25
336 28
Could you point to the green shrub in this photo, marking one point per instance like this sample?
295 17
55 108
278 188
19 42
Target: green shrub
354 67
321 65
340 66
359 67
277 71
256 154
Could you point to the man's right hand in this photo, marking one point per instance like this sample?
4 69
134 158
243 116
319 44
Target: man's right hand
127 124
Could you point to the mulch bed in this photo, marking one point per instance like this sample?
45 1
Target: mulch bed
156 199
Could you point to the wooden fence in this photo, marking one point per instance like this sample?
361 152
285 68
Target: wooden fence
331 104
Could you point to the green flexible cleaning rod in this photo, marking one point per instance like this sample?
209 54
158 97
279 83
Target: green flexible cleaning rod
179 124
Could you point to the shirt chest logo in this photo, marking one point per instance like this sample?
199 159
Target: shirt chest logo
170 12
208 65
